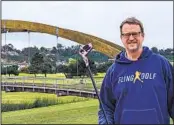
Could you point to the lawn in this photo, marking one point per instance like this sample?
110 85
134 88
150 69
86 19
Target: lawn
67 112
24 97
74 113
50 79
13 101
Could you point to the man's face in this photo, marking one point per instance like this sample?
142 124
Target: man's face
132 37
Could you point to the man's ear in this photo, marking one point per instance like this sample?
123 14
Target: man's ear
120 36
143 34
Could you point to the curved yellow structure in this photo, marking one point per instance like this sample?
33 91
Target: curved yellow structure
99 44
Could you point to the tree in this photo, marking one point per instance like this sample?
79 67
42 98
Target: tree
12 70
43 50
3 70
54 50
24 69
104 66
70 69
161 52
42 64
59 46
47 65
64 69
36 64
168 51
155 49
52 60
82 70
46 68
72 61
29 52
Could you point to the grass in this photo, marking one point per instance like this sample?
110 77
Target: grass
19 101
76 113
57 75
20 97
50 79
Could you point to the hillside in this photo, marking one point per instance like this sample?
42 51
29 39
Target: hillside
61 54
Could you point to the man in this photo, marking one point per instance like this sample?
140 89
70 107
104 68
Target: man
138 87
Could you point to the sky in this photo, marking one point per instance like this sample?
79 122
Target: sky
98 18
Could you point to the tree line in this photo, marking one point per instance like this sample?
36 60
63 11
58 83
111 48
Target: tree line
62 53
57 53
61 59
44 65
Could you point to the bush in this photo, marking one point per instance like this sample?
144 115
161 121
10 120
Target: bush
24 70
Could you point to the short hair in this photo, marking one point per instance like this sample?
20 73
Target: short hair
132 20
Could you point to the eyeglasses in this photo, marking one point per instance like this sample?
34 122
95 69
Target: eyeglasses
134 34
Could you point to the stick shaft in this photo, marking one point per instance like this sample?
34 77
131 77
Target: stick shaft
94 85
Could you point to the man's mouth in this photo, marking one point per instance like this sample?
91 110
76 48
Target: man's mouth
132 43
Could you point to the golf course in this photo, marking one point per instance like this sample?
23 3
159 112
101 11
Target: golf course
43 108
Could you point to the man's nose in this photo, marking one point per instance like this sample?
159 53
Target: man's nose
131 37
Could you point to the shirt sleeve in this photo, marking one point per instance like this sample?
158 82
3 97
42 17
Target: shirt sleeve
169 73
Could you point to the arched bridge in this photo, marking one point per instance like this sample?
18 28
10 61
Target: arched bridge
106 47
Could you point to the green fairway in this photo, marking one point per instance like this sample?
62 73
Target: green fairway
80 112
20 97
74 113
12 101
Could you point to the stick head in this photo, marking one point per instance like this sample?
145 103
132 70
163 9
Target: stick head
85 49
84 52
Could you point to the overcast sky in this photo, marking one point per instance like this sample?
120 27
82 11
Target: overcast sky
98 18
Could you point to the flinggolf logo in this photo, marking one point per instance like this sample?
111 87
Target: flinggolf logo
137 76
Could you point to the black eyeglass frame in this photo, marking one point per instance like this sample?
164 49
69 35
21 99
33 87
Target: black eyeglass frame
134 34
